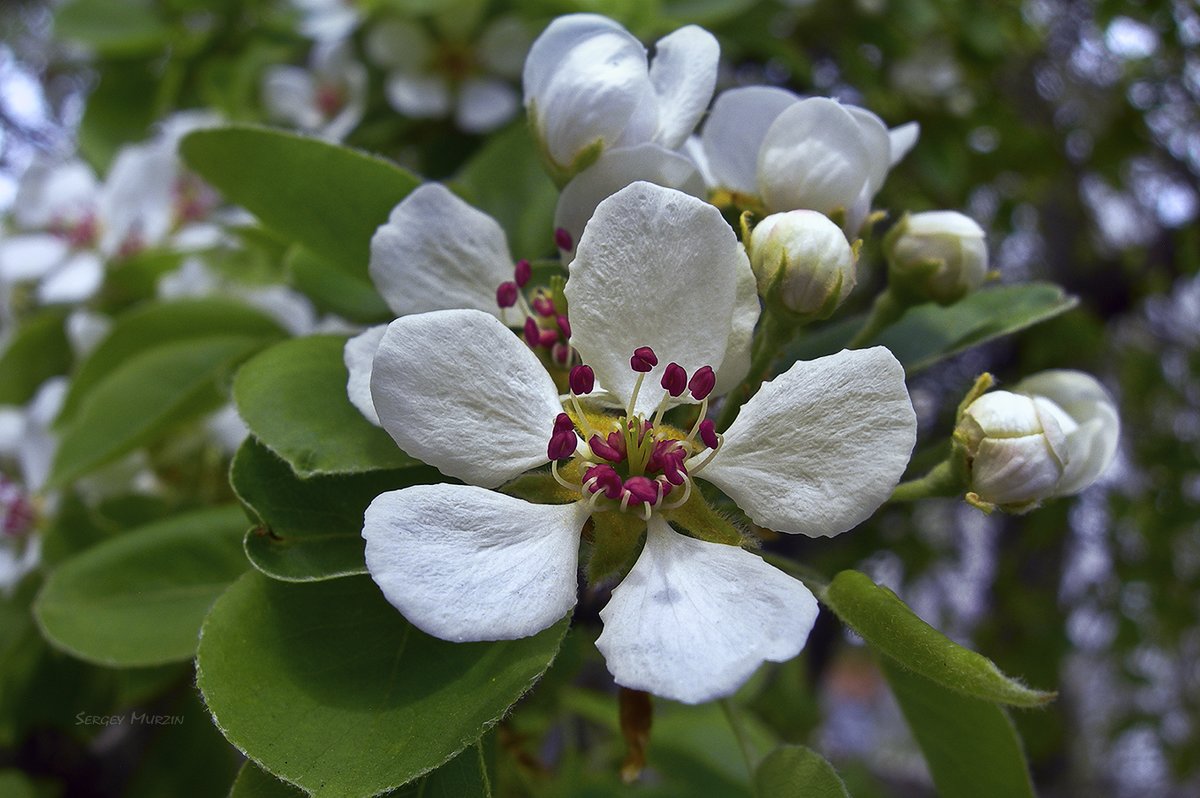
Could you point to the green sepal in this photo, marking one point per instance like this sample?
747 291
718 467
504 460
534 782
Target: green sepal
616 540
703 522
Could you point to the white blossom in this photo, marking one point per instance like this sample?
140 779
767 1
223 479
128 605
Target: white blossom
939 255
589 87
657 274
327 98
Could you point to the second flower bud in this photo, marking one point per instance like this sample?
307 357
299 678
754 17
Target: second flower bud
802 262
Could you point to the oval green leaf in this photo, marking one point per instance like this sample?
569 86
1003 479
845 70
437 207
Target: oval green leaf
325 685
139 599
890 627
929 333
37 352
970 745
327 197
310 528
293 398
335 290
464 776
158 323
797 772
146 396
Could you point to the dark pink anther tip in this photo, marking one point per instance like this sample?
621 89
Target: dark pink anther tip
702 382
674 379
533 333
522 272
560 353
708 433
563 423
562 440
643 359
548 338
564 325
506 295
602 448
606 479
543 305
563 240
642 489
582 380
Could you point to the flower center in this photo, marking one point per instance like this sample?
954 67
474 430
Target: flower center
632 463
330 99
81 233
17 513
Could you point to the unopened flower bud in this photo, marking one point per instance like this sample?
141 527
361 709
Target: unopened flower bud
802 262
937 255
1015 447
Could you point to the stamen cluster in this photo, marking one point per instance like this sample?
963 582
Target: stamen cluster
639 462
546 326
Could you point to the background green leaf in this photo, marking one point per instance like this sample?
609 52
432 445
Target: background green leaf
153 325
890 627
327 686
139 599
145 397
506 180
797 772
929 333
970 745
311 528
112 27
38 351
327 197
336 290
293 398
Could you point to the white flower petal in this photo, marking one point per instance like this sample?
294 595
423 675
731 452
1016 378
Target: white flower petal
289 95
902 140
52 192
614 170
654 267
586 80
878 144
458 390
684 73
31 257
746 310
485 104
76 281
85 330
421 96
821 446
693 620
1092 445
359 356
137 201
463 563
813 157
734 133
436 252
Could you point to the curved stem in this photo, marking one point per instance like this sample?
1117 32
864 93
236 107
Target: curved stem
886 311
943 480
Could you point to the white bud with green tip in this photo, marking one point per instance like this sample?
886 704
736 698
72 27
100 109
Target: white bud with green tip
937 255
802 262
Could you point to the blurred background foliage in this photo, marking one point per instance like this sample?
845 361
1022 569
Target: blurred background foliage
1070 130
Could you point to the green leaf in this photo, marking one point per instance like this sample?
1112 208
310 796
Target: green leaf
39 350
969 744
310 528
464 776
890 627
335 290
185 755
324 684
506 180
797 772
142 399
139 599
159 323
112 27
326 197
119 110
15 784
293 398
929 333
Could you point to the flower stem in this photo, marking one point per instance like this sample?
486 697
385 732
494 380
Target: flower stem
735 723
943 480
886 311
